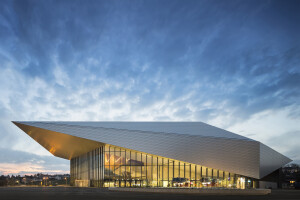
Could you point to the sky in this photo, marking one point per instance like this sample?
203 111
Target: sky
231 64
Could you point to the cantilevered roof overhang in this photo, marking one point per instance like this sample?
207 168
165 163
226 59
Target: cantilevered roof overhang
193 142
60 144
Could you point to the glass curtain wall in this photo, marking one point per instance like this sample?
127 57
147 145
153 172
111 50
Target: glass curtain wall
87 170
112 166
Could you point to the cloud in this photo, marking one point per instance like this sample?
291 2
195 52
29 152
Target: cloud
19 162
231 64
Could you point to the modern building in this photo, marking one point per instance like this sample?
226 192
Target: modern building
157 154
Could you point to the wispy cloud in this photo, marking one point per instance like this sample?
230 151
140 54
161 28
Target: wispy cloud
20 162
230 64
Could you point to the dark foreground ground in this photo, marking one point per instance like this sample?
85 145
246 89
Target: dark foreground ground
71 193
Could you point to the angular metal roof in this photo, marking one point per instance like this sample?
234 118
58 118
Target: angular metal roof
193 142
186 128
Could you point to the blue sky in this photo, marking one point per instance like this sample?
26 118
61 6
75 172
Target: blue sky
232 64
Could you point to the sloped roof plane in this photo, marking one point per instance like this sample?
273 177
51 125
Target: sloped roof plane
193 142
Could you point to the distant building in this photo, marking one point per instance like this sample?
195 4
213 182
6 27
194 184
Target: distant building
157 154
291 176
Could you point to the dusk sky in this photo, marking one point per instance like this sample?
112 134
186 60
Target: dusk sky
231 64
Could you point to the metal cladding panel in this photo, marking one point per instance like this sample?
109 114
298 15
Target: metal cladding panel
234 155
270 160
190 128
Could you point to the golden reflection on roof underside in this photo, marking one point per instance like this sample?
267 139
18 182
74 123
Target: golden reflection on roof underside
59 144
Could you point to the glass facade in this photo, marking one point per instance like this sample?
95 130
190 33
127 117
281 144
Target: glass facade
112 166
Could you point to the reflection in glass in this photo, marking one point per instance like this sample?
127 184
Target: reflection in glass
111 166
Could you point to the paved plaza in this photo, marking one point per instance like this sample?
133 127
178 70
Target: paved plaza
72 193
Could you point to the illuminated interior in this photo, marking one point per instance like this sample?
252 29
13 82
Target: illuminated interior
112 166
